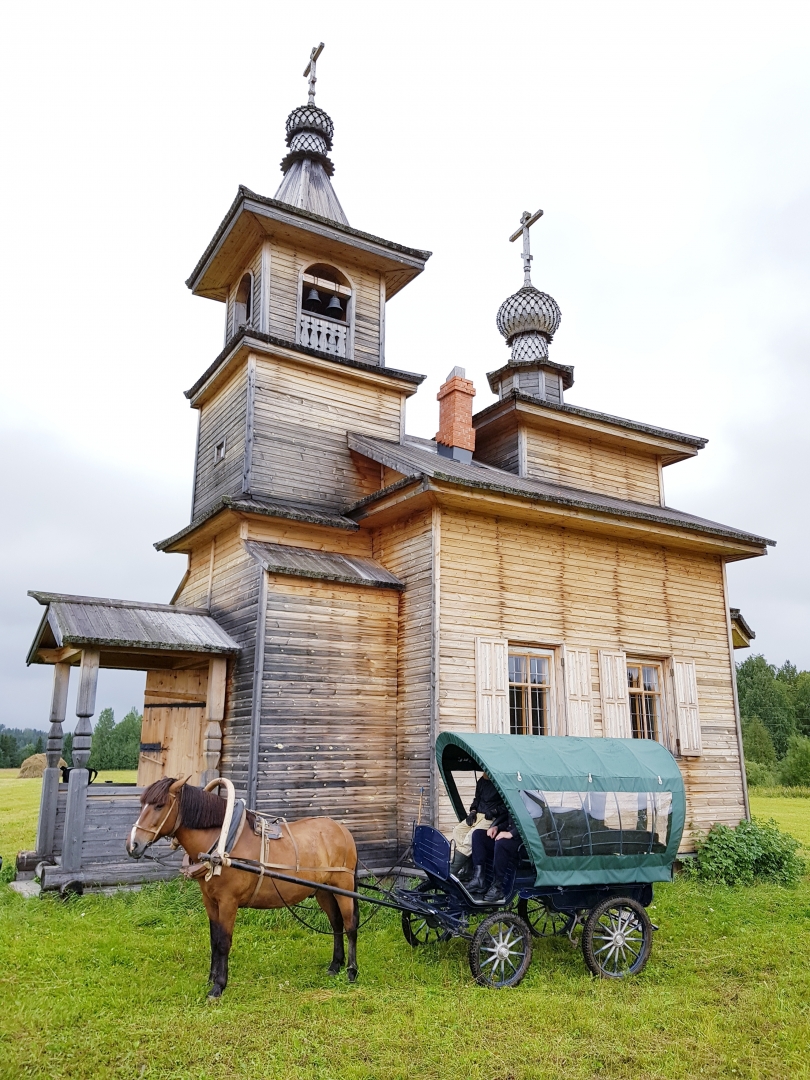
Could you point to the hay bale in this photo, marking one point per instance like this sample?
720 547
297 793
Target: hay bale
35 766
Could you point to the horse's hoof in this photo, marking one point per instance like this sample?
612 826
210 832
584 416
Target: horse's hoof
332 971
214 995
351 974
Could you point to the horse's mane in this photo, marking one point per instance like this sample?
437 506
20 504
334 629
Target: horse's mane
199 809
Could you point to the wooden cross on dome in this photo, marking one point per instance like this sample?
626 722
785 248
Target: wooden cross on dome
526 222
309 70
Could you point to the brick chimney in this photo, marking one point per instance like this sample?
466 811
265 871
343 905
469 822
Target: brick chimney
456 435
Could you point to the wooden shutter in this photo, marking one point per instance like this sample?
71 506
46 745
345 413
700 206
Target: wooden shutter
579 711
615 700
686 703
492 685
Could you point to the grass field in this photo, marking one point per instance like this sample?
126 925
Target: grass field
115 987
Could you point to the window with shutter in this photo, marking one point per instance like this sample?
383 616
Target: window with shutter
690 742
577 665
492 685
613 690
531 691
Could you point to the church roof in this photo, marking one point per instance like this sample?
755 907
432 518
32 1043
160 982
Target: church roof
419 458
399 263
250 335
126 625
326 565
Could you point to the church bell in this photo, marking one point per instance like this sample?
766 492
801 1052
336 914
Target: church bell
334 309
312 302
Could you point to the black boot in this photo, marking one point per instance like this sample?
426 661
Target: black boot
478 882
494 894
460 861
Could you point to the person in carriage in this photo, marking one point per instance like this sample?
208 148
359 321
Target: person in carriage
488 832
485 810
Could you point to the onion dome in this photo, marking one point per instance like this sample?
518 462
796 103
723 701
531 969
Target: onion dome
307 168
528 320
309 134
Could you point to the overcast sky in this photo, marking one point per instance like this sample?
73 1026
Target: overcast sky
667 144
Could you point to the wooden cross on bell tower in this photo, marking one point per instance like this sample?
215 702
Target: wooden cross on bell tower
309 71
526 222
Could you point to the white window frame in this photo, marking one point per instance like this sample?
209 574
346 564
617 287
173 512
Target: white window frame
552 653
664 665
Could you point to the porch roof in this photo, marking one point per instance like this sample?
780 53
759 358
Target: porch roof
326 565
127 633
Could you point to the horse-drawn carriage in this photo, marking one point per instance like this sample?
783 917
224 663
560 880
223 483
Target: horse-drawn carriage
600 821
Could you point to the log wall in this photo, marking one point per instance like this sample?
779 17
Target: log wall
551 586
329 701
585 463
405 549
233 588
287 265
221 418
302 416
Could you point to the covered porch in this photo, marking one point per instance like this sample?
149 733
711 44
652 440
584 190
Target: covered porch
82 826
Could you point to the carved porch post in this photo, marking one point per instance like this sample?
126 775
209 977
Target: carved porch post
215 713
50 778
79 776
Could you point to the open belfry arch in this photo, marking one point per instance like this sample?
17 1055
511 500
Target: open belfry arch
354 590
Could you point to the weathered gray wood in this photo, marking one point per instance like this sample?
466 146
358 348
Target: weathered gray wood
50 777
249 410
75 813
85 707
258 683
109 873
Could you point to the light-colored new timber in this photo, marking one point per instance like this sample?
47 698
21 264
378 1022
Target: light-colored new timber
545 586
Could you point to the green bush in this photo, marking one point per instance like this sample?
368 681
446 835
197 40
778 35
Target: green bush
753 851
794 770
759 775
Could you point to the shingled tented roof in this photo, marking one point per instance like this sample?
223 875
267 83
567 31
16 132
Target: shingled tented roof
119 627
328 565
418 457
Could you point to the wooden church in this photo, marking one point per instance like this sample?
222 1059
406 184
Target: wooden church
353 590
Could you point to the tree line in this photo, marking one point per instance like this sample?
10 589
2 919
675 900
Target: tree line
115 746
775 718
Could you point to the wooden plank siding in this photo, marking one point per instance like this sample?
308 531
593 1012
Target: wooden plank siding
221 418
234 589
301 420
329 713
405 549
498 446
549 586
592 465
287 265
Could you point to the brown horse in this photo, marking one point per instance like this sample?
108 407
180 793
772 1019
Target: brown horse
171 808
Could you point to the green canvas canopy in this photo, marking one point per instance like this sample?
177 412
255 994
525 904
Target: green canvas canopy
589 811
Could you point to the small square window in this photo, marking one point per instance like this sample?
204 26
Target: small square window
219 452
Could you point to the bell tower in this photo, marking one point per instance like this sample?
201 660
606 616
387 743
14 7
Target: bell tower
305 296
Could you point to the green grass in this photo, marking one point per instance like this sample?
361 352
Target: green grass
115 987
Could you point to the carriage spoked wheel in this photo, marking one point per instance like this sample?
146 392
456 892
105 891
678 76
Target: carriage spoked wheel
422 929
501 950
617 938
542 920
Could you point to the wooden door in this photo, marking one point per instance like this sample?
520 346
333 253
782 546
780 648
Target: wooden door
173 725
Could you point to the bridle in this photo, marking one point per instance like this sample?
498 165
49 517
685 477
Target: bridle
156 831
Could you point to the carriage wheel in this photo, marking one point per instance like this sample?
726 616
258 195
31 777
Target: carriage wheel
617 938
501 951
542 920
422 929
